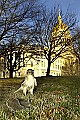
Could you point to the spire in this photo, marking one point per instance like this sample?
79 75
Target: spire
59 18
59 13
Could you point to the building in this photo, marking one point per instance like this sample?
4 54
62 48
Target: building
39 63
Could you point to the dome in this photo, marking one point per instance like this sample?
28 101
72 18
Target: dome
61 28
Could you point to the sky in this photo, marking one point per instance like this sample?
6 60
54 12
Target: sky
74 6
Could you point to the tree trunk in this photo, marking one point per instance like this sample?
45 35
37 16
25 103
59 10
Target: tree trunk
11 67
11 74
48 69
49 63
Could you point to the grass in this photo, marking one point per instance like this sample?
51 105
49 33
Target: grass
55 98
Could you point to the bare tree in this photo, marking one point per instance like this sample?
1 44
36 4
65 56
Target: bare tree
12 57
16 26
76 41
51 31
14 15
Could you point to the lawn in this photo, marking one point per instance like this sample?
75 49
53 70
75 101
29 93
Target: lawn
55 98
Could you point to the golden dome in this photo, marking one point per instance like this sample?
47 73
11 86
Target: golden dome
60 28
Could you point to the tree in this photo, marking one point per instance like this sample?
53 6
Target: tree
14 15
16 26
50 32
76 41
12 57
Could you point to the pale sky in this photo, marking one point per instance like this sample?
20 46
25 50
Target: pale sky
74 5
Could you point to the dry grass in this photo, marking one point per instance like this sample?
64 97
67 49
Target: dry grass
55 98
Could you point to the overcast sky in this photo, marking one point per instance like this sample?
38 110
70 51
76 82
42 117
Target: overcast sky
74 5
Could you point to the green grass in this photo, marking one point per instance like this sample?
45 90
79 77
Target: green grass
55 98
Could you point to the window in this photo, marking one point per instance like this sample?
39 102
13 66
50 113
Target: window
42 63
58 67
31 64
18 73
42 72
26 64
